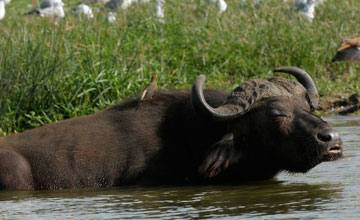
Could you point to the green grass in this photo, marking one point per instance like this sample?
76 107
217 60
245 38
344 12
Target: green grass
52 71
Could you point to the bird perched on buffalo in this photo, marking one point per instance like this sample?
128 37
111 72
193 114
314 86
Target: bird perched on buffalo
149 91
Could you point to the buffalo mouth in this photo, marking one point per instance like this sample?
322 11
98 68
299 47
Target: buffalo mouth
334 153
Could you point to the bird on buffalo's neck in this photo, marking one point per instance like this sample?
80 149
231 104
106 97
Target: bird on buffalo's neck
349 50
149 91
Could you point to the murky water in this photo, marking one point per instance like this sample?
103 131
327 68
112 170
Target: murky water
329 191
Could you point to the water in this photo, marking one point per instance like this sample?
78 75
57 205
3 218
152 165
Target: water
329 191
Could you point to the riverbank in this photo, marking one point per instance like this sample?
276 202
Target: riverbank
50 71
344 104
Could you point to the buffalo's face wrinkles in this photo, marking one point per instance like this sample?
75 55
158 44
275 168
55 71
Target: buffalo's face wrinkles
284 131
271 127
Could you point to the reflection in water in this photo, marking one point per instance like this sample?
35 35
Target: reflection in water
328 191
270 197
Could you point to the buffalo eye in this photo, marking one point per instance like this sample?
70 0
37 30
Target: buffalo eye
275 113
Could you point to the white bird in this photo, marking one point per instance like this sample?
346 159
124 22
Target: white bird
83 9
221 4
49 8
115 4
122 4
111 17
306 8
2 9
159 10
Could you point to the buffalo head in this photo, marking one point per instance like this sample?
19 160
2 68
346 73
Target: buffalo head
270 127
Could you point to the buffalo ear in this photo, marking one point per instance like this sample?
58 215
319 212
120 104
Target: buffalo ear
219 157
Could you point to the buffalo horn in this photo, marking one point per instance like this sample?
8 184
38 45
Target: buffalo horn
305 79
230 110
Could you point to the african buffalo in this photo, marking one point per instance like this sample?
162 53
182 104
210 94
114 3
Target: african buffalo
178 137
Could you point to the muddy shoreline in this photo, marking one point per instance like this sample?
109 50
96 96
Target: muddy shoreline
343 104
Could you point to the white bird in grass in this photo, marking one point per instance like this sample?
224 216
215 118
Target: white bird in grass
2 9
83 9
111 17
123 4
49 8
115 4
221 4
159 10
306 8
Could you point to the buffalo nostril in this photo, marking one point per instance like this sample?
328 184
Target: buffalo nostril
329 135
331 142
325 137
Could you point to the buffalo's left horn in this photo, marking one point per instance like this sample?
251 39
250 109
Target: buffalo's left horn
305 79
224 112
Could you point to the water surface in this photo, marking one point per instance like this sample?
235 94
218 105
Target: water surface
329 191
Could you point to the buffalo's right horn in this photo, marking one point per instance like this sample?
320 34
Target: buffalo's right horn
247 94
237 104
305 79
